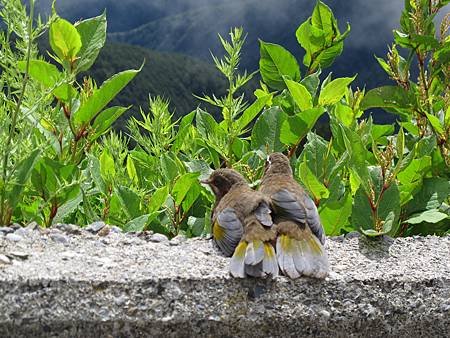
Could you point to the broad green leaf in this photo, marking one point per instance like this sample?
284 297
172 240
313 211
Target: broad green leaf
206 125
21 176
45 73
334 214
312 184
129 200
296 127
131 170
387 97
183 130
436 124
415 171
323 18
93 36
429 216
107 166
169 167
102 96
65 92
276 62
158 198
105 120
183 185
68 207
251 112
433 193
191 196
64 40
344 113
384 65
318 157
267 129
380 130
334 91
301 95
137 224
196 225
311 82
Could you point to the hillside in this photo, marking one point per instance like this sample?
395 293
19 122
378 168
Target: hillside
170 75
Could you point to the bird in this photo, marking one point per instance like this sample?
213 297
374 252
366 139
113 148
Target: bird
242 225
300 243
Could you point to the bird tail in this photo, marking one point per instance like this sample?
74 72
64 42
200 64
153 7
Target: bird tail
300 252
254 258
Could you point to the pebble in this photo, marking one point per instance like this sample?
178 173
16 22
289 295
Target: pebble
14 237
6 230
59 238
95 227
22 232
104 231
116 230
19 254
4 259
353 234
68 228
158 238
32 226
177 240
325 314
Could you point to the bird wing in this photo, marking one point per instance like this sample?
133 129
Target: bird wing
262 213
300 209
227 230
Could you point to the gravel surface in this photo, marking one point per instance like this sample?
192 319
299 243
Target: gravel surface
56 283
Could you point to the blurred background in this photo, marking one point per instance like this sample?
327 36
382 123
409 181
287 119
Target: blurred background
177 37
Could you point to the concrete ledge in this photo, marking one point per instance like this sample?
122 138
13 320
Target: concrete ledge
129 286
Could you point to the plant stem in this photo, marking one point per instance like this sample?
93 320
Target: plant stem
15 114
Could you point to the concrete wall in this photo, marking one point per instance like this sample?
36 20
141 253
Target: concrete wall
119 285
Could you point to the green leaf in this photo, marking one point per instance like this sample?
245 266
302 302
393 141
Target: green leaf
45 73
95 171
206 125
311 82
65 92
300 94
93 36
296 127
433 193
169 167
183 131
334 91
318 157
131 170
335 213
196 225
344 113
323 18
137 224
276 62
102 96
183 185
267 129
251 112
436 124
21 176
158 199
129 200
387 97
64 40
429 216
105 120
312 184
68 207
107 166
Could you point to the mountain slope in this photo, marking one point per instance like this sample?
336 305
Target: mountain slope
170 75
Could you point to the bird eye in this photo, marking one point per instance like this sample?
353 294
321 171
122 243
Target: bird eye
268 162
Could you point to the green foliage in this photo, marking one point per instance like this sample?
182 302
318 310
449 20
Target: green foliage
61 162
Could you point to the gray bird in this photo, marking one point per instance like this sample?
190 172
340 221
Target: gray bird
300 235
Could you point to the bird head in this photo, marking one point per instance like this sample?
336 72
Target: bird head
222 180
277 163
